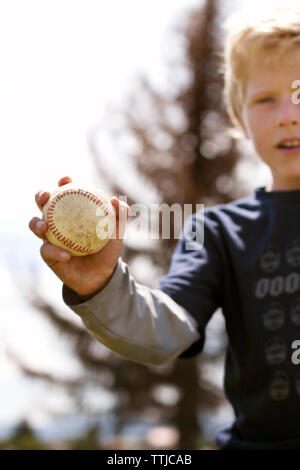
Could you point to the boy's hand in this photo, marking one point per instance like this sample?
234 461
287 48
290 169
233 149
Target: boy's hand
86 275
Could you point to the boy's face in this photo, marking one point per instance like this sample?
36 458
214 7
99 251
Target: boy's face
270 117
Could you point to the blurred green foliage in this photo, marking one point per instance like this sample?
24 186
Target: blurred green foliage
24 438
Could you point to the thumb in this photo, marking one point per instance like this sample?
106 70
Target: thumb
122 213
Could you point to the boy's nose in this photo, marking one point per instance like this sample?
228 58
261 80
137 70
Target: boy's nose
285 121
288 114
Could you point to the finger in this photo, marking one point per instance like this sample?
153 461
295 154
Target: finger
38 227
64 180
51 253
121 207
41 197
122 214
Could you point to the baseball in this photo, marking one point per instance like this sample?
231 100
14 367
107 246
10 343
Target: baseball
80 219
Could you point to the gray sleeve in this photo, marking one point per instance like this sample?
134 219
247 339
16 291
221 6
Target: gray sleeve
138 322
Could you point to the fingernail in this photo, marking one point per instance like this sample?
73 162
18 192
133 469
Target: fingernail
64 255
40 225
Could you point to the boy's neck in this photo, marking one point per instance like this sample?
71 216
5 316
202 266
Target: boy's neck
270 188
282 183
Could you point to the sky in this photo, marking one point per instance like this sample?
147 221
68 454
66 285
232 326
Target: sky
62 63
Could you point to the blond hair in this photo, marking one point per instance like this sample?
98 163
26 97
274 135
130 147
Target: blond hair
269 36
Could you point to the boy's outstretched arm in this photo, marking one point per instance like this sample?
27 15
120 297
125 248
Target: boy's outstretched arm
142 324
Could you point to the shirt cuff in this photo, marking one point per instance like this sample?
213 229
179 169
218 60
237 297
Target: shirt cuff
72 299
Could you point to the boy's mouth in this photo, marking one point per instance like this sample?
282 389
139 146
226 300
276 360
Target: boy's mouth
289 145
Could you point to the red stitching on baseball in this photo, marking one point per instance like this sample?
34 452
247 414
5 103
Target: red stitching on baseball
51 224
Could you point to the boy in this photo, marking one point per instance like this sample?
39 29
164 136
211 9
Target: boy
249 264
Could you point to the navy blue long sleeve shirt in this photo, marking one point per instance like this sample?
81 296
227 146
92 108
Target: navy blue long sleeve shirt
250 267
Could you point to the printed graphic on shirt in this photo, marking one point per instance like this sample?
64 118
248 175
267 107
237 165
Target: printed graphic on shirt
270 259
276 286
279 386
276 351
293 254
273 316
278 315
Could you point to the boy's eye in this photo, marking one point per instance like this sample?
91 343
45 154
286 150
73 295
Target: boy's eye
265 100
